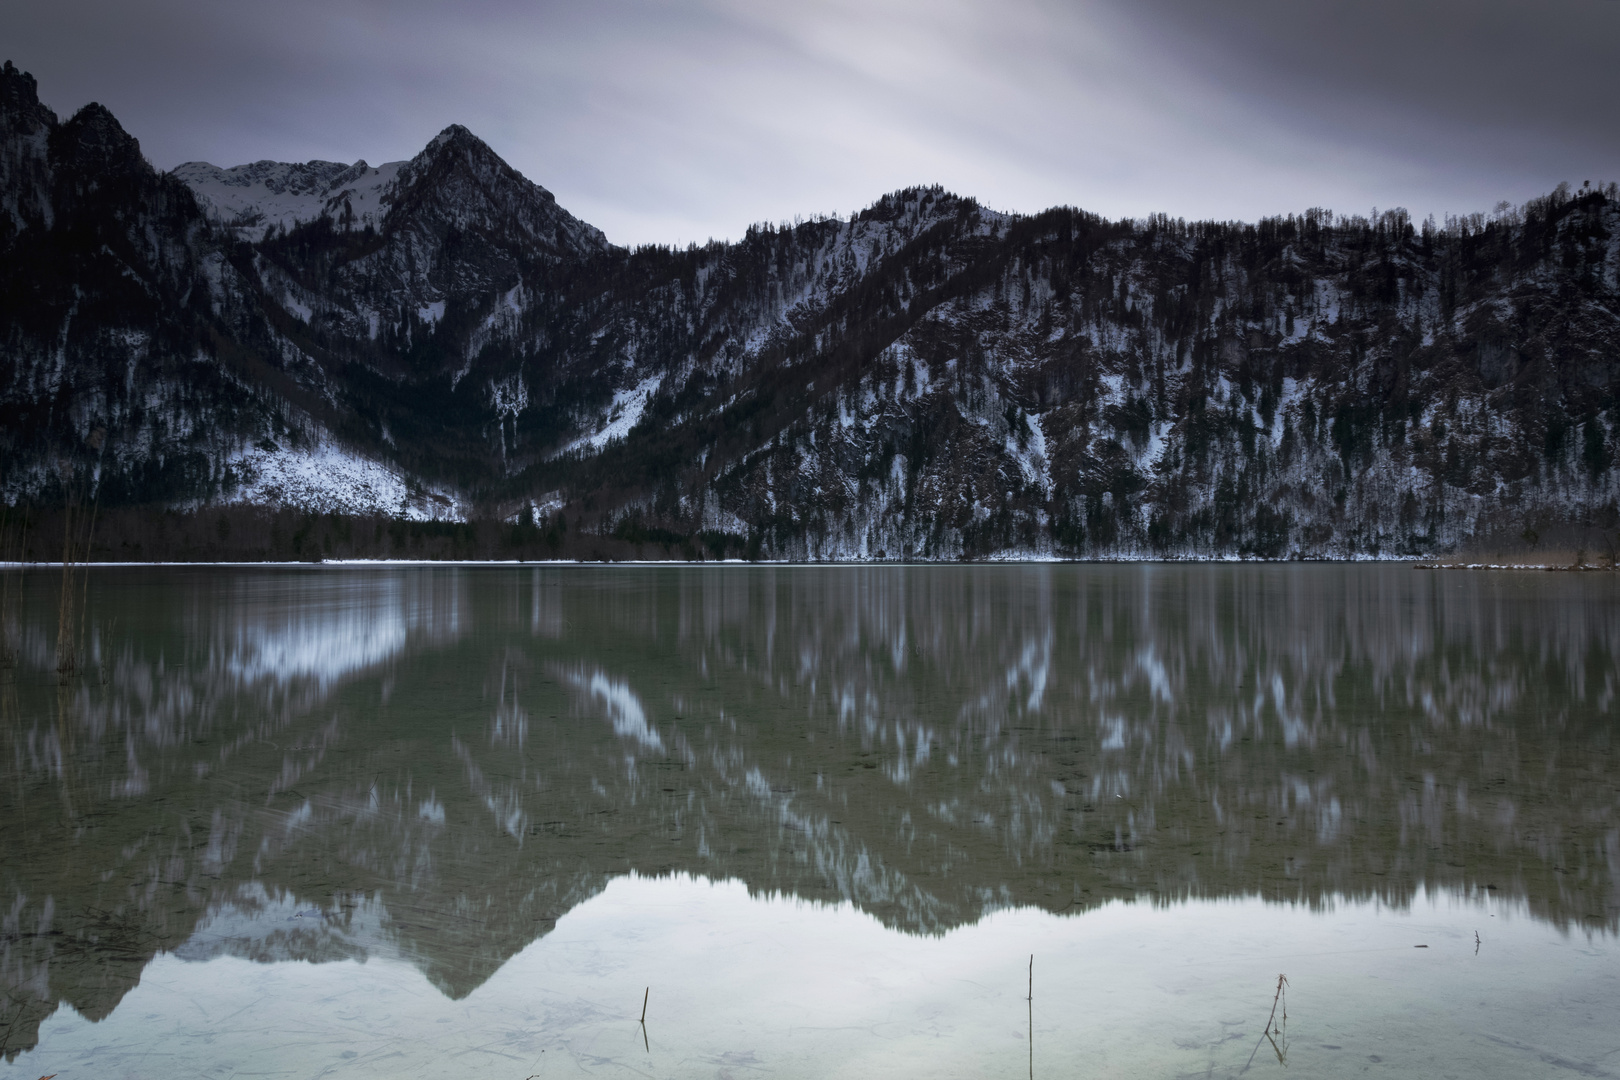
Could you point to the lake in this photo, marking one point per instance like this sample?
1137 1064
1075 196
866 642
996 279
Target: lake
1027 820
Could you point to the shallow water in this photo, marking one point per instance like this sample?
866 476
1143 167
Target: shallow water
308 822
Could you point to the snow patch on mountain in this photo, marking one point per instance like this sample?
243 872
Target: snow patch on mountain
1030 457
248 199
262 926
624 414
328 478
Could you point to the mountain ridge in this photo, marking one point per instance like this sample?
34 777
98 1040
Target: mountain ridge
927 379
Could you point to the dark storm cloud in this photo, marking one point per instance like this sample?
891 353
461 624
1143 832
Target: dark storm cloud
681 119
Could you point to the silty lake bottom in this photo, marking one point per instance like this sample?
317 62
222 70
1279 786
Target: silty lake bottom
465 821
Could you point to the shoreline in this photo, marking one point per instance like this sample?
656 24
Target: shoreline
1553 568
311 564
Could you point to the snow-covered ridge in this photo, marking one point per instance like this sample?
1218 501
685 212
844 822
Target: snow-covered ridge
248 199
455 181
328 478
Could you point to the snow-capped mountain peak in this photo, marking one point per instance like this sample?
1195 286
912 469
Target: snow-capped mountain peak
249 199
456 181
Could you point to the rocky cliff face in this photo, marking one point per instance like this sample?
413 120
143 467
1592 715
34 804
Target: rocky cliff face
927 379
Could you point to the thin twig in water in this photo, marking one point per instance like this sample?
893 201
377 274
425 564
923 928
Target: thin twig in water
1265 1034
1282 981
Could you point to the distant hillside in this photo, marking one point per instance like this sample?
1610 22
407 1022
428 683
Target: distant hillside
439 339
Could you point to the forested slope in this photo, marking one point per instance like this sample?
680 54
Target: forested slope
438 339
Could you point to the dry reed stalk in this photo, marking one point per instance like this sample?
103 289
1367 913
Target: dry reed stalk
1282 981
1267 1031
1031 1000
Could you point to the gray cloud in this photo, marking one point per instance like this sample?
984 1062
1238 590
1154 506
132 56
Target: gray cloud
1512 89
675 120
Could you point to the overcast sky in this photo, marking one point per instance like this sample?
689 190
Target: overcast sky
679 120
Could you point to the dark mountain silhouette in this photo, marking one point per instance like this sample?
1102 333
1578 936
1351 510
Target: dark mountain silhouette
928 379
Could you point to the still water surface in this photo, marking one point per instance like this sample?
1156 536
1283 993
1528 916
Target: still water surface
465 821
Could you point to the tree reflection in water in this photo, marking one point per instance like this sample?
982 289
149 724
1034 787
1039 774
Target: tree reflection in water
438 763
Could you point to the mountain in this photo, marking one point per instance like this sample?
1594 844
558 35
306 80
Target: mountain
438 338
269 196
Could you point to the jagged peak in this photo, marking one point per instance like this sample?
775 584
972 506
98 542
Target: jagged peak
25 85
97 118
19 99
454 133
94 137
315 177
485 183
457 143
457 139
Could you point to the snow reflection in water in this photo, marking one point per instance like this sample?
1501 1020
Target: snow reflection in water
743 984
440 771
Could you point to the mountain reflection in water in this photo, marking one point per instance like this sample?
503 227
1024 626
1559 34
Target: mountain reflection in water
435 764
